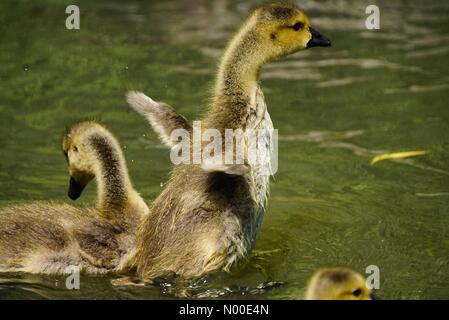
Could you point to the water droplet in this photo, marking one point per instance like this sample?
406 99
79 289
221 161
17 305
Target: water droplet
161 184
126 67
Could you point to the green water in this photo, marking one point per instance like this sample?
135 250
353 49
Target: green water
335 108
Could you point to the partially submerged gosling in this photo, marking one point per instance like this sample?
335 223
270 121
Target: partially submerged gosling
92 151
208 216
338 284
48 238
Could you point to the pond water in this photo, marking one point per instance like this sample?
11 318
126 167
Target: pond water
372 92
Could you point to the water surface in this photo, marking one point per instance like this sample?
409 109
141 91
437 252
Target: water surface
335 108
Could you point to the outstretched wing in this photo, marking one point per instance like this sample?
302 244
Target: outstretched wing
162 117
164 120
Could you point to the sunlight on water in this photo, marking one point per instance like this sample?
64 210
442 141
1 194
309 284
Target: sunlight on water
372 92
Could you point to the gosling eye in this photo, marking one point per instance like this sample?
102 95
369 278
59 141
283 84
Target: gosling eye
298 26
357 292
75 148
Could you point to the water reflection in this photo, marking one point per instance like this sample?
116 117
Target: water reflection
332 140
418 89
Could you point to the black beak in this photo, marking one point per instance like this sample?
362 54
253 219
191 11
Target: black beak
317 40
374 296
75 189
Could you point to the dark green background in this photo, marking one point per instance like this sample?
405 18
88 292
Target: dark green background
328 205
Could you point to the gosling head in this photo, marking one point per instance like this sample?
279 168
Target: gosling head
338 284
80 155
283 29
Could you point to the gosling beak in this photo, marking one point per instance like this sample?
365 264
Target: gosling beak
317 40
75 189
374 296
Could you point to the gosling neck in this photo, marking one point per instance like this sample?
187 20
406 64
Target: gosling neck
239 68
115 191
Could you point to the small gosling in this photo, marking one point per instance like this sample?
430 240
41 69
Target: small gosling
47 238
338 284
92 151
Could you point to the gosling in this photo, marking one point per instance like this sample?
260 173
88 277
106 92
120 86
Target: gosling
51 238
208 216
338 284
92 151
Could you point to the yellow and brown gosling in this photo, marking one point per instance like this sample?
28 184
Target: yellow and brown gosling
208 216
338 284
92 151
49 237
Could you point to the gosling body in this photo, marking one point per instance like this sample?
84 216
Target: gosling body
208 216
